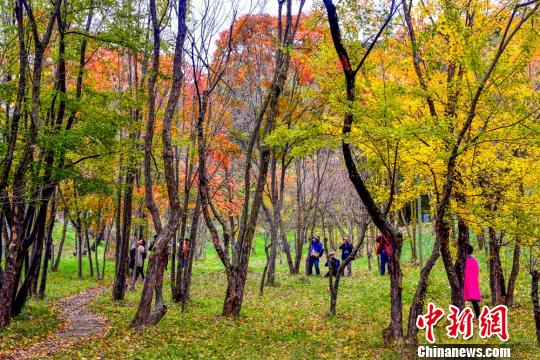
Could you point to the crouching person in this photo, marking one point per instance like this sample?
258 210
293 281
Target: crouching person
332 264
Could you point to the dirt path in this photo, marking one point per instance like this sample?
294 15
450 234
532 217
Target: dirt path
79 323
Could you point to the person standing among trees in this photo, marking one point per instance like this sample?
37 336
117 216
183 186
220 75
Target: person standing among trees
471 286
140 255
332 264
185 252
346 249
383 249
316 250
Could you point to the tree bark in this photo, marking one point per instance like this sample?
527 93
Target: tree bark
496 280
536 303
48 249
395 329
513 276
62 239
158 259
334 284
417 305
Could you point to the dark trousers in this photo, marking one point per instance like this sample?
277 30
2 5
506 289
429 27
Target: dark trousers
385 262
139 271
476 308
349 269
314 261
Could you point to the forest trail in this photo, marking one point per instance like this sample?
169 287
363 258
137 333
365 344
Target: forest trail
79 323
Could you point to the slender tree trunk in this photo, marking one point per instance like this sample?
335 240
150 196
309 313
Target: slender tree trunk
62 239
79 253
186 276
513 276
496 280
48 249
107 239
287 250
119 287
89 251
442 234
417 305
536 303
461 260
334 285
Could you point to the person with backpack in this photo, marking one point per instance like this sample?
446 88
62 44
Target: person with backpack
332 264
471 286
346 249
316 250
140 256
383 249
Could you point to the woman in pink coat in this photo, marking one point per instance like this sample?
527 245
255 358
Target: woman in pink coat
471 287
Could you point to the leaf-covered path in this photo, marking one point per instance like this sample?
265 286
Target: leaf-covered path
79 323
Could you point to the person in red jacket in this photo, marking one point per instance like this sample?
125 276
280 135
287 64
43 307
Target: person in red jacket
383 249
185 252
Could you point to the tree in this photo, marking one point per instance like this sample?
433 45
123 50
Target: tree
158 258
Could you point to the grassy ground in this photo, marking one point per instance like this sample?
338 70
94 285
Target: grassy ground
288 322
39 317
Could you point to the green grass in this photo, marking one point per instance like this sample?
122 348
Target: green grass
39 317
289 321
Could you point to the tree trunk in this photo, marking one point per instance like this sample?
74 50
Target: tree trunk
107 239
394 332
536 303
119 287
186 282
158 258
79 250
443 237
48 249
62 239
300 220
89 252
496 280
513 276
287 250
461 260
417 305
334 284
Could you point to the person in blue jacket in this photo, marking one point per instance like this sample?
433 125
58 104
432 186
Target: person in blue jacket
346 249
316 250
334 265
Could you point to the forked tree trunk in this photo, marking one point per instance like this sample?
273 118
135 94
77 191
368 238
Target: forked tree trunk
154 279
394 332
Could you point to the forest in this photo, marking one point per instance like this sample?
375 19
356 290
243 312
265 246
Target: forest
254 179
